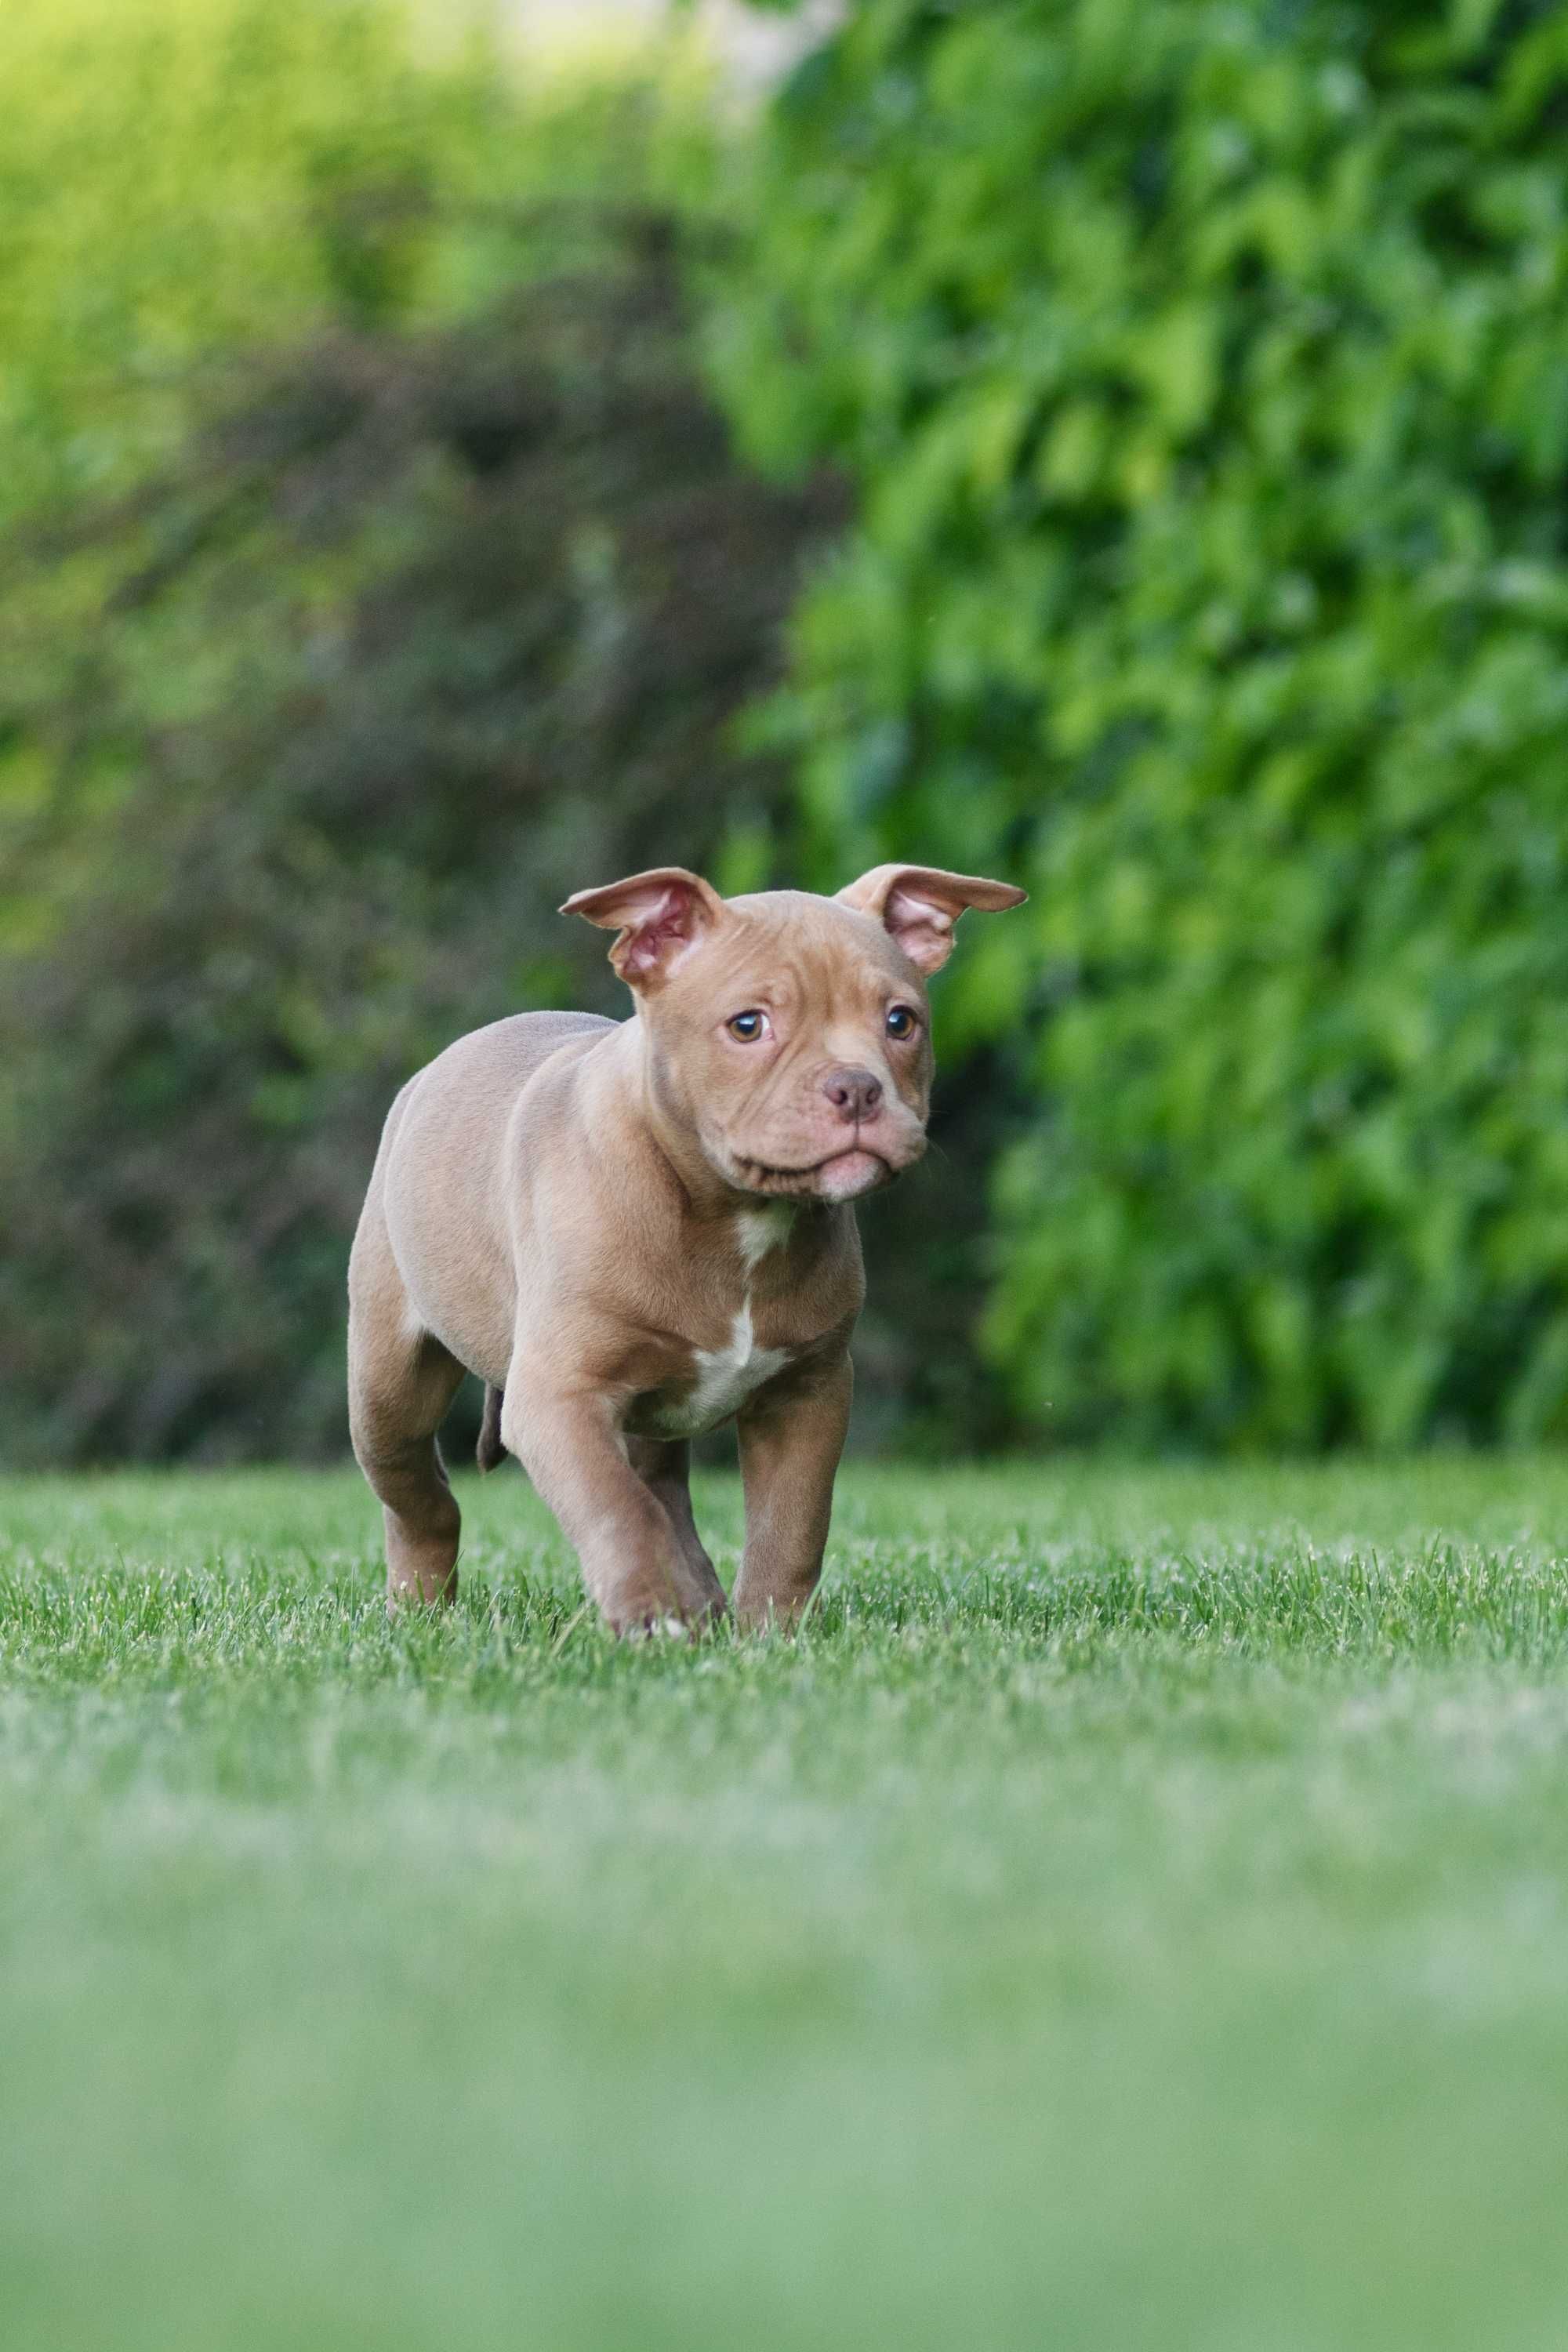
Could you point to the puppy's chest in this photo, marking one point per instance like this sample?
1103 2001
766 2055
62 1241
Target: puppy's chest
720 1381
713 1381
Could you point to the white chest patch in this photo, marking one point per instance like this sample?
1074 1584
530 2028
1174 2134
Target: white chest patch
758 1230
725 1378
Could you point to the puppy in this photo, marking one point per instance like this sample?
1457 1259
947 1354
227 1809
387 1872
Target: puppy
633 1230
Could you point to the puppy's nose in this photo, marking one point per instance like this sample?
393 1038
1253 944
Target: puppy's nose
854 1094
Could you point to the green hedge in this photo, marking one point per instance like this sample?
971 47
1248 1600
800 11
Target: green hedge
1203 371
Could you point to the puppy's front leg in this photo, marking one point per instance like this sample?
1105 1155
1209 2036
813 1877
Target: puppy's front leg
634 1563
791 1436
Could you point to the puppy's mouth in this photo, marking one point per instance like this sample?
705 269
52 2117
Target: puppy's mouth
840 1176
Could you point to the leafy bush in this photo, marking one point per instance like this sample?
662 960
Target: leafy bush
308 739
1203 372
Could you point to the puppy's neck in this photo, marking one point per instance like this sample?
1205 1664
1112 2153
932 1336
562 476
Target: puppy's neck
670 1130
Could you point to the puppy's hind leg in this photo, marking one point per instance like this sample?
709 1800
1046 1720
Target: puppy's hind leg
490 1449
401 1382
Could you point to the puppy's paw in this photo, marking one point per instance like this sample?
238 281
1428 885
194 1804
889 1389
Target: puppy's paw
664 1619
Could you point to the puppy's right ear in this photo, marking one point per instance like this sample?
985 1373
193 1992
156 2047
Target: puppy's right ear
659 917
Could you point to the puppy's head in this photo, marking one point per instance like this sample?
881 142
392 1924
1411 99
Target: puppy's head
790 1034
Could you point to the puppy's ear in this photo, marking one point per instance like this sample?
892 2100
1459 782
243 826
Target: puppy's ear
920 904
658 914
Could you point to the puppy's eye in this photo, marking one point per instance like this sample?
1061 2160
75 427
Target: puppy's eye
747 1026
902 1021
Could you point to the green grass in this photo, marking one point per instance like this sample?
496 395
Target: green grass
1135 1914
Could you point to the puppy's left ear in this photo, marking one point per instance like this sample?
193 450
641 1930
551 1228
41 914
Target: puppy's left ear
920 904
658 915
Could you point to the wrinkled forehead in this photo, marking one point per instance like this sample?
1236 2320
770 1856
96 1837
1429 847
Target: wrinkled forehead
788 947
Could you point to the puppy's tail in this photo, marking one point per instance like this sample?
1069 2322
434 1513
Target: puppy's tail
489 1449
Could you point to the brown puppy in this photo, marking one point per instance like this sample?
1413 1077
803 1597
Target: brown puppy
633 1230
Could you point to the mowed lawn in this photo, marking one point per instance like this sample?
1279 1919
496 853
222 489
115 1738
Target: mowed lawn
1134 1914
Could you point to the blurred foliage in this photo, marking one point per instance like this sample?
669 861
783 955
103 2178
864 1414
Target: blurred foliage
183 176
305 738
374 571
1202 373
377 569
